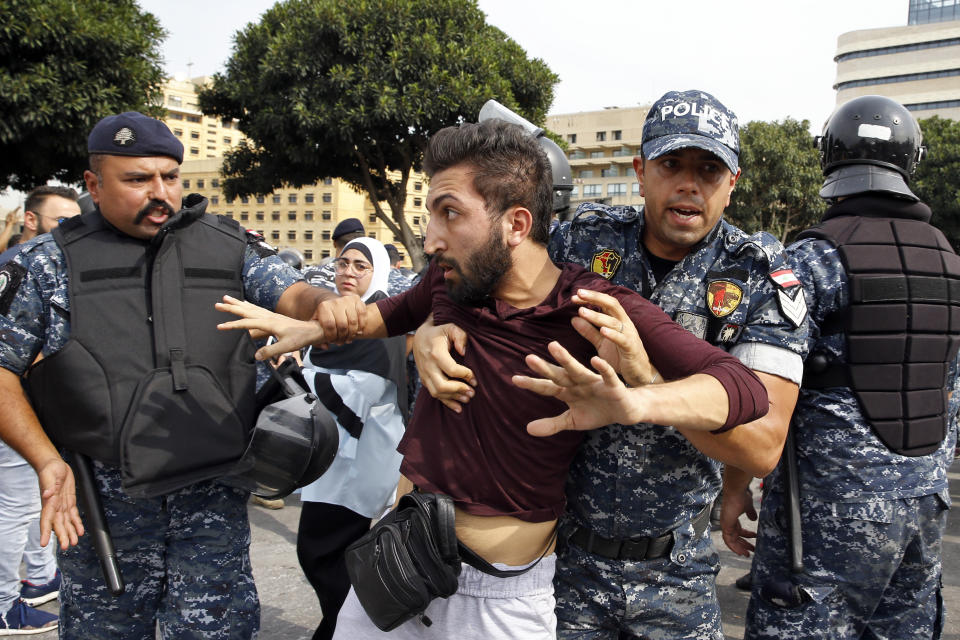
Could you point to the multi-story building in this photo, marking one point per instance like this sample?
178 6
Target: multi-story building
301 219
917 65
601 148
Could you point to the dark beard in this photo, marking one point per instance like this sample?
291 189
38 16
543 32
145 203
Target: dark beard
153 204
485 269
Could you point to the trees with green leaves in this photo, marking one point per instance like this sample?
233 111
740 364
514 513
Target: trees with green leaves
779 188
67 64
352 89
937 180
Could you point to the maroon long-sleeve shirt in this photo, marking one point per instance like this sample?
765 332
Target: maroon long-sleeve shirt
483 457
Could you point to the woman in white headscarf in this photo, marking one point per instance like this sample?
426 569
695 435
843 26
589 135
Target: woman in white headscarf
363 385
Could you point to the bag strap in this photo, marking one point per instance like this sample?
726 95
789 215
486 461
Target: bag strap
470 557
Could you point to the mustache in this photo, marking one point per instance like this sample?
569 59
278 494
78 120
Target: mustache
153 204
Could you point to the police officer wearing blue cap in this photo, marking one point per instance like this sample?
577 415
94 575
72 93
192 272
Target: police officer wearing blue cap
136 376
638 560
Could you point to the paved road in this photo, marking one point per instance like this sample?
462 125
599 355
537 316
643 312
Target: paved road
290 610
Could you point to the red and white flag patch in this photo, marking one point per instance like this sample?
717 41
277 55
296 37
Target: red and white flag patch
784 278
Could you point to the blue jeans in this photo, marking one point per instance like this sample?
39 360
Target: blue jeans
20 528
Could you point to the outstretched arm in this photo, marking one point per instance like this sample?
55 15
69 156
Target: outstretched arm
293 334
597 399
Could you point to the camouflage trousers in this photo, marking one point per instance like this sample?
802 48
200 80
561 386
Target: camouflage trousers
872 570
184 558
663 599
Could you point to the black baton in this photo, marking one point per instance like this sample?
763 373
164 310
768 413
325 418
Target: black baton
792 503
96 524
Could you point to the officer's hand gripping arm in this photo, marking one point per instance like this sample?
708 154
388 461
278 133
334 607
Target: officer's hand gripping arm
442 376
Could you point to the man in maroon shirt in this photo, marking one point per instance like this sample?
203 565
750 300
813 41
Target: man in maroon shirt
490 206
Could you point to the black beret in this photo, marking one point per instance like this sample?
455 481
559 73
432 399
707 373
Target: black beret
350 225
134 134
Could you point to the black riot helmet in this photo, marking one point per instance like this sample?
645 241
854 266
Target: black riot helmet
292 257
871 143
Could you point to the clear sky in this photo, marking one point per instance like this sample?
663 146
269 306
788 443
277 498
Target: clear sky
765 59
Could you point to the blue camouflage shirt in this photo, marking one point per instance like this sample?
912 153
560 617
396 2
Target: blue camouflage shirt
839 457
735 291
35 314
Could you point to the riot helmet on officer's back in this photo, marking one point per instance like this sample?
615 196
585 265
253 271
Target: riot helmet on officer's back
871 143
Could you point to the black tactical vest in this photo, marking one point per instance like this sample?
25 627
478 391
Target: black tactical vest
902 326
146 382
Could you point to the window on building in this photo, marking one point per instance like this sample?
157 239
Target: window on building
619 189
229 200
292 198
586 173
635 188
308 254
226 140
617 135
194 151
308 198
610 172
175 116
215 183
178 133
325 234
244 216
186 183
578 155
416 221
259 216
308 216
418 202
275 216
276 198
601 136
596 154
194 135
328 181
591 190
261 199
274 235
175 101
372 217
575 192
418 186
214 199
325 253
245 199
200 183
291 235
325 215
308 234
572 138
226 124
211 147
292 216
193 118
327 197
372 234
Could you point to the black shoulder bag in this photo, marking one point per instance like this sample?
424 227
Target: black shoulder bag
409 558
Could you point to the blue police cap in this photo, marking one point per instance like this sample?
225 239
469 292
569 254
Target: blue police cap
350 225
682 119
134 134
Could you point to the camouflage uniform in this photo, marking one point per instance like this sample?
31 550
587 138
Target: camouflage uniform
647 480
184 555
872 519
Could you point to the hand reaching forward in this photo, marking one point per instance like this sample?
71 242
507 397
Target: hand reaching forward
595 399
613 334
735 504
291 334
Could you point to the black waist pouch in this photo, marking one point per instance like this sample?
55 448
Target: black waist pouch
412 556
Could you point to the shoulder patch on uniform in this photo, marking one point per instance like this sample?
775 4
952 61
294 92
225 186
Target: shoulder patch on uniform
260 246
793 304
11 275
729 333
723 297
784 278
606 263
693 322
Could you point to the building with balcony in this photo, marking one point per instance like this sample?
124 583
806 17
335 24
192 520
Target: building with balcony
917 65
301 219
601 148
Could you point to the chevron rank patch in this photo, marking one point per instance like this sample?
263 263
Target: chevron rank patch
606 263
790 296
11 275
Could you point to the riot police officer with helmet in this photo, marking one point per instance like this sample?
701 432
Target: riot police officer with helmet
873 442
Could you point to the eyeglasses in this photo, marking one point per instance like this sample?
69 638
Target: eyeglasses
358 267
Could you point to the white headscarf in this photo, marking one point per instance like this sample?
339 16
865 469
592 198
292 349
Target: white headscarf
380 261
